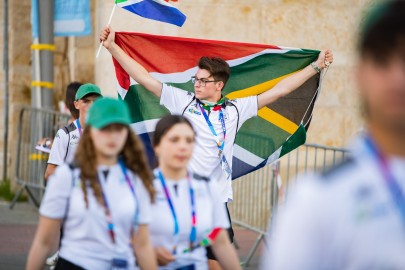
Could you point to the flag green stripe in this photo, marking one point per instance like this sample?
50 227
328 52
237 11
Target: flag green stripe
143 105
297 139
260 137
259 70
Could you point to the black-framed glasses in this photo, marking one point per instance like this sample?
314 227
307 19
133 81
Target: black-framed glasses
202 81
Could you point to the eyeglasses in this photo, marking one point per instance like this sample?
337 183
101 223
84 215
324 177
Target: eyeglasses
202 81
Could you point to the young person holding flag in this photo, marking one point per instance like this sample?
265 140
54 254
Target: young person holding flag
188 213
216 120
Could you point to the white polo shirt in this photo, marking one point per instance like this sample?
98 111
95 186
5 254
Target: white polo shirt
65 144
344 219
86 241
210 213
205 160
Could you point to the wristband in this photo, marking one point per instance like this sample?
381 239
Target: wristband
315 66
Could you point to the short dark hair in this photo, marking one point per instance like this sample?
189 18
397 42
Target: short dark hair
217 67
165 124
70 98
383 31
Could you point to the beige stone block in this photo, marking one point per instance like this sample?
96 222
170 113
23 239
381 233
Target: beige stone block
338 88
84 65
85 41
334 126
224 21
309 25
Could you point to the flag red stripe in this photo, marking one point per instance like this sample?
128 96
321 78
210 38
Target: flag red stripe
156 53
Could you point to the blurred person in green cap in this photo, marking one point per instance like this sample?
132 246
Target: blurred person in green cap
103 199
67 138
353 216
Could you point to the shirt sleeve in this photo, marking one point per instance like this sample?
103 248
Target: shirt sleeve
175 99
55 202
221 219
143 197
247 108
59 148
298 239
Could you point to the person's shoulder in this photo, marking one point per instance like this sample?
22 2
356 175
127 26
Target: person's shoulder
70 127
64 131
337 172
199 177
250 101
61 173
175 90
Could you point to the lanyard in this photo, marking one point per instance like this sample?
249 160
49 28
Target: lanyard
193 232
389 179
131 187
110 224
79 126
220 144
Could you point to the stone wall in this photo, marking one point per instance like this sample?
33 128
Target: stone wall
315 24
1 86
73 61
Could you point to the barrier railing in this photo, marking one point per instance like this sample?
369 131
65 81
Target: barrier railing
30 164
257 195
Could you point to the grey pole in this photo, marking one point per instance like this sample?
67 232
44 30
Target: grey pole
5 89
42 97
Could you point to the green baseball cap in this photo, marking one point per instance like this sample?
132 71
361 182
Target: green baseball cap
106 111
87 89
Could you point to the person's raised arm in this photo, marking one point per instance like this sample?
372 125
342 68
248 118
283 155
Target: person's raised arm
132 67
291 83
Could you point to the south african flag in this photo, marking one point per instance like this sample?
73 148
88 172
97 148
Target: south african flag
278 128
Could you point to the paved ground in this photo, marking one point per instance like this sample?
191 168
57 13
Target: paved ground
17 229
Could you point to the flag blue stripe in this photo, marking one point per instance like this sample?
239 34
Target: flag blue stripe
240 168
155 11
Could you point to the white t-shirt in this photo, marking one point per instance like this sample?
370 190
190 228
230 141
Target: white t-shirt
205 160
210 213
65 144
86 241
344 219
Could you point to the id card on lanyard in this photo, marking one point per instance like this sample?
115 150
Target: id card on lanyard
396 192
193 231
220 144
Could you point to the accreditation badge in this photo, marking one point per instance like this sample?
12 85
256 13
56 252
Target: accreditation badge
225 167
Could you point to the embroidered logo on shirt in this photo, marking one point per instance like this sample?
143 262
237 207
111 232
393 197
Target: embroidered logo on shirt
75 137
366 207
191 110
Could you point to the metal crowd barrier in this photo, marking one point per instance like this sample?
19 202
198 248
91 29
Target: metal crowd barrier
30 164
257 195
